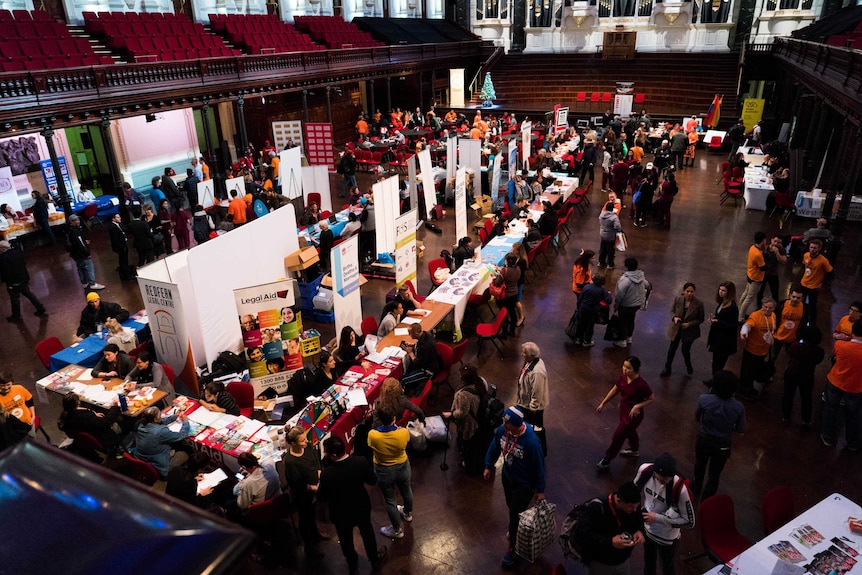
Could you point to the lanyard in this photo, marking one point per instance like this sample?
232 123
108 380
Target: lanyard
614 511
507 449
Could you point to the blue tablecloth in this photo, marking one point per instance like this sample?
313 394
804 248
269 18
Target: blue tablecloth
342 218
88 351
495 252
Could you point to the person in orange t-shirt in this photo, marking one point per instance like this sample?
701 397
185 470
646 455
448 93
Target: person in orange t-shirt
16 400
475 133
236 208
638 152
844 384
816 267
362 127
790 314
582 274
754 275
844 329
758 334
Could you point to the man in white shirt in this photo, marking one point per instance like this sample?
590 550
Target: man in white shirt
253 487
85 195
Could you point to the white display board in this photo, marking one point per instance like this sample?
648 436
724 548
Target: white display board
289 173
470 157
496 175
405 249
285 131
8 192
316 179
451 163
235 185
386 210
526 145
461 203
427 172
206 193
412 180
345 284
623 105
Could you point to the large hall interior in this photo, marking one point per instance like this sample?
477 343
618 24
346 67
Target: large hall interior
107 94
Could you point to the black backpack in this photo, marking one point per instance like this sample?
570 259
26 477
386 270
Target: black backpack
568 532
489 414
201 229
674 488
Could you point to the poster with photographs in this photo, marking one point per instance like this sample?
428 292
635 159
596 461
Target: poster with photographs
270 324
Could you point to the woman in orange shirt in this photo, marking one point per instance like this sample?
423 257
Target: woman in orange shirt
689 150
844 329
582 274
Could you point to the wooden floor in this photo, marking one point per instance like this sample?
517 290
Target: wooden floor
460 522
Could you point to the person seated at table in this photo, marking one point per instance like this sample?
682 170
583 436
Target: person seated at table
548 220
326 375
216 398
500 225
463 252
84 195
390 317
182 481
349 351
424 360
114 363
154 440
311 215
407 299
97 312
534 236
150 373
781 180
520 211
393 400
123 337
8 213
103 426
738 161
352 227
253 487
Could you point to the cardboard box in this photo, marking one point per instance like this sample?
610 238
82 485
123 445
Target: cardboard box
301 259
482 206
327 281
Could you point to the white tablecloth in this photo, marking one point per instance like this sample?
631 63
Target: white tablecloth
810 206
828 518
457 289
757 189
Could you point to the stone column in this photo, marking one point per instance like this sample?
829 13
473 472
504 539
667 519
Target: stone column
305 106
207 136
371 106
328 105
65 199
113 166
243 135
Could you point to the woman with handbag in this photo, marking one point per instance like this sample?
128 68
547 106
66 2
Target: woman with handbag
472 439
722 337
592 297
508 277
687 312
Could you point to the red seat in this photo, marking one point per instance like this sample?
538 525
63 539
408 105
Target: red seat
718 533
778 508
582 97
421 401
243 393
87 446
46 348
474 301
369 325
433 266
606 97
459 350
595 97
715 144
491 331
313 197
732 189
447 357
169 371
144 346
37 426
785 203
639 98
138 470
483 237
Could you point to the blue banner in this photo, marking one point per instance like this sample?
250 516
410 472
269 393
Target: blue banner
51 178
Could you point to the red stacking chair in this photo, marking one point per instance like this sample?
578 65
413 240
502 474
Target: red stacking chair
491 331
718 533
778 508
46 348
369 325
138 470
243 393
447 357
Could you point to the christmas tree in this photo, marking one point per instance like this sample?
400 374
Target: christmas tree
488 94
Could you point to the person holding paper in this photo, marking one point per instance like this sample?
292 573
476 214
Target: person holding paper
183 481
103 426
151 373
114 363
153 439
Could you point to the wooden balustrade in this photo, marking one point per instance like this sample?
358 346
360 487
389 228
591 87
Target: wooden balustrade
25 93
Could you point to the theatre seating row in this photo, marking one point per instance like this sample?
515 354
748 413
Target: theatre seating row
334 32
33 41
147 37
261 33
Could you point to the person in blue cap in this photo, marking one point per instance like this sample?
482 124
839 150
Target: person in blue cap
523 469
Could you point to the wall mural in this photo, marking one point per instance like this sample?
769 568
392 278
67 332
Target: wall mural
21 155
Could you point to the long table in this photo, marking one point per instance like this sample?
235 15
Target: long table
439 310
819 536
809 205
98 392
28 225
758 186
88 351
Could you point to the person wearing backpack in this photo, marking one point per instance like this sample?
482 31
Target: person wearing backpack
609 529
667 509
467 413
202 224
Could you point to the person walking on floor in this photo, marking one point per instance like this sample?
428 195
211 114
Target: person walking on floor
816 269
720 416
635 395
804 356
631 294
533 391
389 443
667 509
13 273
843 384
342 484
687 315
523 474
609 227
591 301
120 246
79 249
